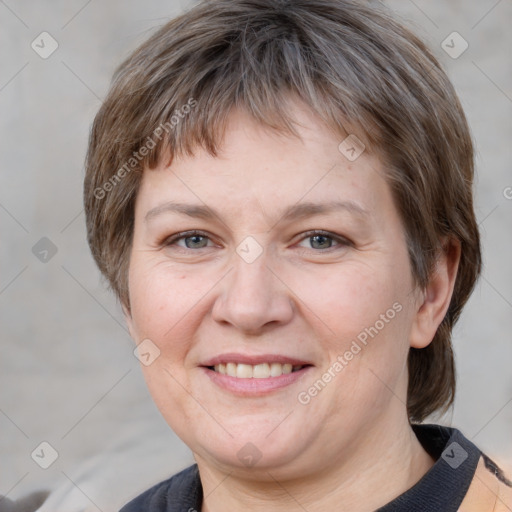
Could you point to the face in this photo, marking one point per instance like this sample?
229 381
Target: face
273 283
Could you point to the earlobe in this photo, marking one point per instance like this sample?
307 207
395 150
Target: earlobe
433 303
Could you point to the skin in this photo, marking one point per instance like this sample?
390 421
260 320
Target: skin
302 297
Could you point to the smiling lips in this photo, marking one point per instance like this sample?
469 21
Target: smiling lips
258 371
255 375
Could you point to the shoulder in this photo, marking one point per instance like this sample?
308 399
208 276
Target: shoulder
182 490
490 489
463 477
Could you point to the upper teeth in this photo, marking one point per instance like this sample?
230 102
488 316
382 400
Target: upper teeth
258 371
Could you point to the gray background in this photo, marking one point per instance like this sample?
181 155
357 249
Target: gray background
67 372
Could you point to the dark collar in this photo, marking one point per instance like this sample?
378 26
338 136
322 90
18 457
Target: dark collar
441 489
444 486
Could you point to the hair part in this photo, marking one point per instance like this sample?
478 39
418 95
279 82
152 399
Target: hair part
356 68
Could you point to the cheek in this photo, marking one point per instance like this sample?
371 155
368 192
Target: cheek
362 319
348 300
164 303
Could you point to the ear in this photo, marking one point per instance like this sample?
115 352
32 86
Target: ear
434 300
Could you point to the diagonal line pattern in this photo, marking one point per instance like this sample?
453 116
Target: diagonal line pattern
218 485
81 490
15 424
13 218
492 81
72 72
198 402
75 15
198 301
488 215
14 76
487 423
13 279
95 299
72 220
280 423
424 14
492 492
95 404
12 488
497 291
13 13
390 390
287 492
486 14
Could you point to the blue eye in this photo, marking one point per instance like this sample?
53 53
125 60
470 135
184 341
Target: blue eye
197 241
319 240
192 240
323 240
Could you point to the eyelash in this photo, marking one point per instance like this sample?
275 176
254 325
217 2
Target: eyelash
340 241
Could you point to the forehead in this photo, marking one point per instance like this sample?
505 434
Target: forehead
275 170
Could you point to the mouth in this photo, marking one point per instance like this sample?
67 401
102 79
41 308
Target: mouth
254 375
257 371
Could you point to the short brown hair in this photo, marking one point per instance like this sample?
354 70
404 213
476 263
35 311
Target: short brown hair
357 68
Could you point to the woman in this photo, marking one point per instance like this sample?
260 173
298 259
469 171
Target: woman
280 194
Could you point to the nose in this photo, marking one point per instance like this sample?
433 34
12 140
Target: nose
253 297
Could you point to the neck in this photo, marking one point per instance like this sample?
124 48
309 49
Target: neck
388 462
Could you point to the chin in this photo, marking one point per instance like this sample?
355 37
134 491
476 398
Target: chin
257 458
250 444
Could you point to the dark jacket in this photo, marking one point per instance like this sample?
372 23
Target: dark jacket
463 479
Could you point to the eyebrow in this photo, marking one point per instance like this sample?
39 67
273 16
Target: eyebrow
293 212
